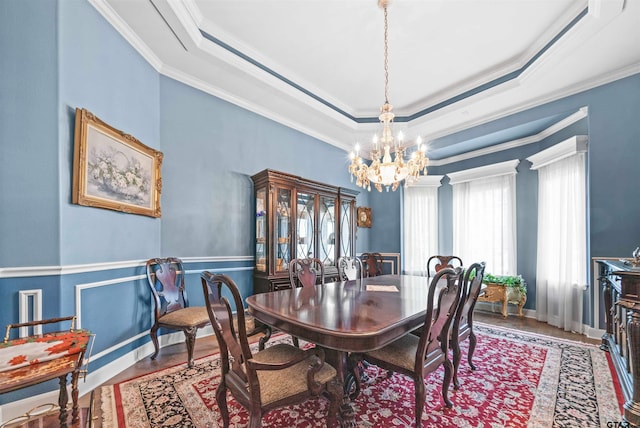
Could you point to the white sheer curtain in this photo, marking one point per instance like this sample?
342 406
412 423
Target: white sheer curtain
484 226
562 242
420 225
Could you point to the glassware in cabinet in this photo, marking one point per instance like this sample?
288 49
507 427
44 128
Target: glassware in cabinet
305 226
283 229
261 230
327 236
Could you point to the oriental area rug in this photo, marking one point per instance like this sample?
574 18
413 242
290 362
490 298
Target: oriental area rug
522 380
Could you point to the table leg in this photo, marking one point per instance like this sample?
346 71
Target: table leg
505 299
74 397
339 360
62 401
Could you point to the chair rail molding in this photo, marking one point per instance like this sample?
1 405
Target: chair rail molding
30 271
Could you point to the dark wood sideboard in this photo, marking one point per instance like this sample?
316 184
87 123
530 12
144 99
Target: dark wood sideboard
620 284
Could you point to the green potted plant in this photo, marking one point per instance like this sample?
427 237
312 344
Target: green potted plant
514 290
511 281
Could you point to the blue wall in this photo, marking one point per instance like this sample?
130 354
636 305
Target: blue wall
29 199
211 149
101 72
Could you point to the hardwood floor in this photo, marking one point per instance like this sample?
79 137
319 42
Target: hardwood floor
176 354
530 325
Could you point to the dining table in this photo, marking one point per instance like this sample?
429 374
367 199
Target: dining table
344 317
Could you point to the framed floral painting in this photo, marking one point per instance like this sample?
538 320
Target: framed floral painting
114 170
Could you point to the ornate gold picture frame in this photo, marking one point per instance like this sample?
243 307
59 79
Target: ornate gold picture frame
364 216
114 170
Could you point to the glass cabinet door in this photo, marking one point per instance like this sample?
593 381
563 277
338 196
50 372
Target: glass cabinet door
305 224
327 237
261 230
346 227
283 229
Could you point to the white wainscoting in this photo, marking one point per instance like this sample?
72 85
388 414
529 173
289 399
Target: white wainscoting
30 309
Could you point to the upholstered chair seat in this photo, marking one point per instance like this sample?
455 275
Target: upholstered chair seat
278 385
186 317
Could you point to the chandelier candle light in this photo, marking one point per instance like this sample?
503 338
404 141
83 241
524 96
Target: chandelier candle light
383 170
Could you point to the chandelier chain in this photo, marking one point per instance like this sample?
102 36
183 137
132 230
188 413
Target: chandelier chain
386 57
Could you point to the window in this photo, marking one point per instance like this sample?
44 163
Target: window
484 213
561 272
420 224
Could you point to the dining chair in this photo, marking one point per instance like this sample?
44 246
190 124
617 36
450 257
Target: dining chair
302 273
462 327
350 268
278 376
435 263
372 263
171 309
306 272
417 356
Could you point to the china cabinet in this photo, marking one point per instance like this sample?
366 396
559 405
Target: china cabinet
299 218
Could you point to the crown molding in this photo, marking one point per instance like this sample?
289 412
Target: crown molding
569 147
428 181
487 171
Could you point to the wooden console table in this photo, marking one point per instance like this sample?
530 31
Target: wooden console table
39 358
620 283
501 293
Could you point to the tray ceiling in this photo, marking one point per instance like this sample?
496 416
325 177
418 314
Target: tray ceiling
317 66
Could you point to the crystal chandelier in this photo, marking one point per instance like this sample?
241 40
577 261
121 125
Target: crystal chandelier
388 167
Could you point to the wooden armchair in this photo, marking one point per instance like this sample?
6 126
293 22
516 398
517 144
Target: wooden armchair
170 304
372 263
462 327
416 356
435 263
350 268
278 376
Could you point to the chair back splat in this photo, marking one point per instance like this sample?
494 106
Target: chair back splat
306 272
171 309
372 263
350 268
435 263
277 376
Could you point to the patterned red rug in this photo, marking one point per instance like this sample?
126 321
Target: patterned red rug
522 380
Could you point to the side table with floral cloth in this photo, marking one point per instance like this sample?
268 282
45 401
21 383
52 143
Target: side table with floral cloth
35 359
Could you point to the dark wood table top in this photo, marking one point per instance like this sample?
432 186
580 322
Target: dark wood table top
346 316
